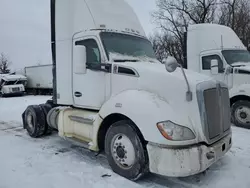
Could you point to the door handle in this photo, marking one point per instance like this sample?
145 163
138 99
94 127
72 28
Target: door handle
78 94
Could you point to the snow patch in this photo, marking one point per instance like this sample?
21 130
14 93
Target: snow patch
117 56
53 162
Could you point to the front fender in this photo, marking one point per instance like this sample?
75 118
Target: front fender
145 109
243 89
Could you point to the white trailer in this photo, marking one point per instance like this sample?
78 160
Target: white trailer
216 51
40 80
111 94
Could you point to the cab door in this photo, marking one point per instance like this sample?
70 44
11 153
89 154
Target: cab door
205 65
89 88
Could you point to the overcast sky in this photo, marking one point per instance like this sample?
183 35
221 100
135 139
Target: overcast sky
25 29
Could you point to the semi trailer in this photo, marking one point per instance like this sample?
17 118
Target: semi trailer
111 95
40 79
216 51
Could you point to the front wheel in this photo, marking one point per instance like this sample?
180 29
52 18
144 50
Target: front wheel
125 151
241 114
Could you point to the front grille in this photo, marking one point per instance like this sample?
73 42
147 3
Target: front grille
217 108
214 106
15 89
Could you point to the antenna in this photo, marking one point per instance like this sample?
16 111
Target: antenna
221 41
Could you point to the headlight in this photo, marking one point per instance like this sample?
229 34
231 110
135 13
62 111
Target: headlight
174 132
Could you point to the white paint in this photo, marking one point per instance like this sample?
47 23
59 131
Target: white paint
207 37
77 16
211 39
11 89
94 14
141 97
185 162
91 84
150 96
39 76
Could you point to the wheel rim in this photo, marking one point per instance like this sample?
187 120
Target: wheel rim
123 151
242 114
30 121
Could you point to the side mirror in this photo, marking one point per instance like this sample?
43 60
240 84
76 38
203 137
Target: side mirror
170 64
79 59
214 66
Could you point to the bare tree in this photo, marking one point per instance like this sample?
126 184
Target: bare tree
236 14
173 18
165 45
227 11
4 64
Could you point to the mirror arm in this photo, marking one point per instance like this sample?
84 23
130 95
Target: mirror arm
189 94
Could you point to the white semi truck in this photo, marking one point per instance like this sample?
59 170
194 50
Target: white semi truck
206 43
112 95
12 85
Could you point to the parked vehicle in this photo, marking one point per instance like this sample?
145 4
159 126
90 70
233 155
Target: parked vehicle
12 85
111 94
40 79
216 51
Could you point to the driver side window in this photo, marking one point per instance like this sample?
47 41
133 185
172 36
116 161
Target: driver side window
92 51
206 62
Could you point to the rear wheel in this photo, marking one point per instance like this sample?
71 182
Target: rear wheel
34 120
1 94
125 151
241 114
46 108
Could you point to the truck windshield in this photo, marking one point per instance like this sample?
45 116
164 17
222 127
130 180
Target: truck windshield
16 82
236 56
127 45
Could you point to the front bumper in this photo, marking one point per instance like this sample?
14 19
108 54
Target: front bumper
13 94
188 161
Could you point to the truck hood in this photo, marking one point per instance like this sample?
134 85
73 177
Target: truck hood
152 67
157 74
240 76
245 69
169 87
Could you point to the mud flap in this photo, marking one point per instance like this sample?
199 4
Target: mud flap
23 119
46 108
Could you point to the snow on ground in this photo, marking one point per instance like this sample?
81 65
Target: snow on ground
52 162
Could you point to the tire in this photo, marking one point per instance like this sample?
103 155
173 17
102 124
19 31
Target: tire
240 114
135 164
2 95
34 120
46 108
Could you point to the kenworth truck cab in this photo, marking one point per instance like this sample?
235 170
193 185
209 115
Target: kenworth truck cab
206 43
112 95
12 85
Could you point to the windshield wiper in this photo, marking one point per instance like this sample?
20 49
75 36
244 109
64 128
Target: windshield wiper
125 60
238 65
